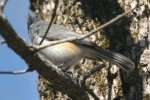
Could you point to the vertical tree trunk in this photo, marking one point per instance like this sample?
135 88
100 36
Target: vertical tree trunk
129 36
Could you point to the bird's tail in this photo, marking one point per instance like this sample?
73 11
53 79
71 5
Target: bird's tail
115 58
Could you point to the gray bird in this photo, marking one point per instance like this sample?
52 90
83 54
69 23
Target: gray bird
69 54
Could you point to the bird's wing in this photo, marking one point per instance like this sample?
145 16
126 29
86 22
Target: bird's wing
56 32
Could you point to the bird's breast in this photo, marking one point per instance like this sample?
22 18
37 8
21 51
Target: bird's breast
67 54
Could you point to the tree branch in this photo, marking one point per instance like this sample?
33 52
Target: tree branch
2 4
91 92
16 72
86 35
51 22
91 72
2 41
45 68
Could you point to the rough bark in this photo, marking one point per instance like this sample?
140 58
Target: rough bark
129 36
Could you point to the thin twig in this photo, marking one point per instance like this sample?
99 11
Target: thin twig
87 75
91 72
51 21
3 4
110 83
91 92
106 24
15 72
86 35
39 47
2 41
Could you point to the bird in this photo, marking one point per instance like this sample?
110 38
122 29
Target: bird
68 54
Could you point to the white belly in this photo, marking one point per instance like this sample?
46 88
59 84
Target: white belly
64 54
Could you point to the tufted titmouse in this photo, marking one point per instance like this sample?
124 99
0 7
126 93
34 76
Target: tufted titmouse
68 54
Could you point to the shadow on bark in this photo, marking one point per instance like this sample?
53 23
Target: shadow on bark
120 40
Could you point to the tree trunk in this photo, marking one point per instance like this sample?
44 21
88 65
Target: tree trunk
129 36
